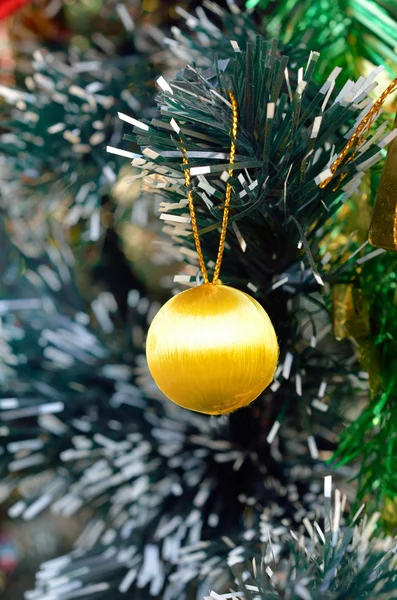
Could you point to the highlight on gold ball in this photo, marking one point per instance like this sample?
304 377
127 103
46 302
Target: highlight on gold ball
212 349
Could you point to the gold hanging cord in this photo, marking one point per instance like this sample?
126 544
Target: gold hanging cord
361 129
228 194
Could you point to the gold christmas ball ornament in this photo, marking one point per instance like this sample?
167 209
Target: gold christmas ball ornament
212 349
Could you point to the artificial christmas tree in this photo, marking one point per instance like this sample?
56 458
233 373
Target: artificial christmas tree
179 497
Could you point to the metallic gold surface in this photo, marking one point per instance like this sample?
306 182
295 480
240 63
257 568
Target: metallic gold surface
212 349
383 228
343 309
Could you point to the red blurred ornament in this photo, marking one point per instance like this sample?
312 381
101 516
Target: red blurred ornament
8 7
8 554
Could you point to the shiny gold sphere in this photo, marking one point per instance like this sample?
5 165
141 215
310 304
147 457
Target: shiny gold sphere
212 349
